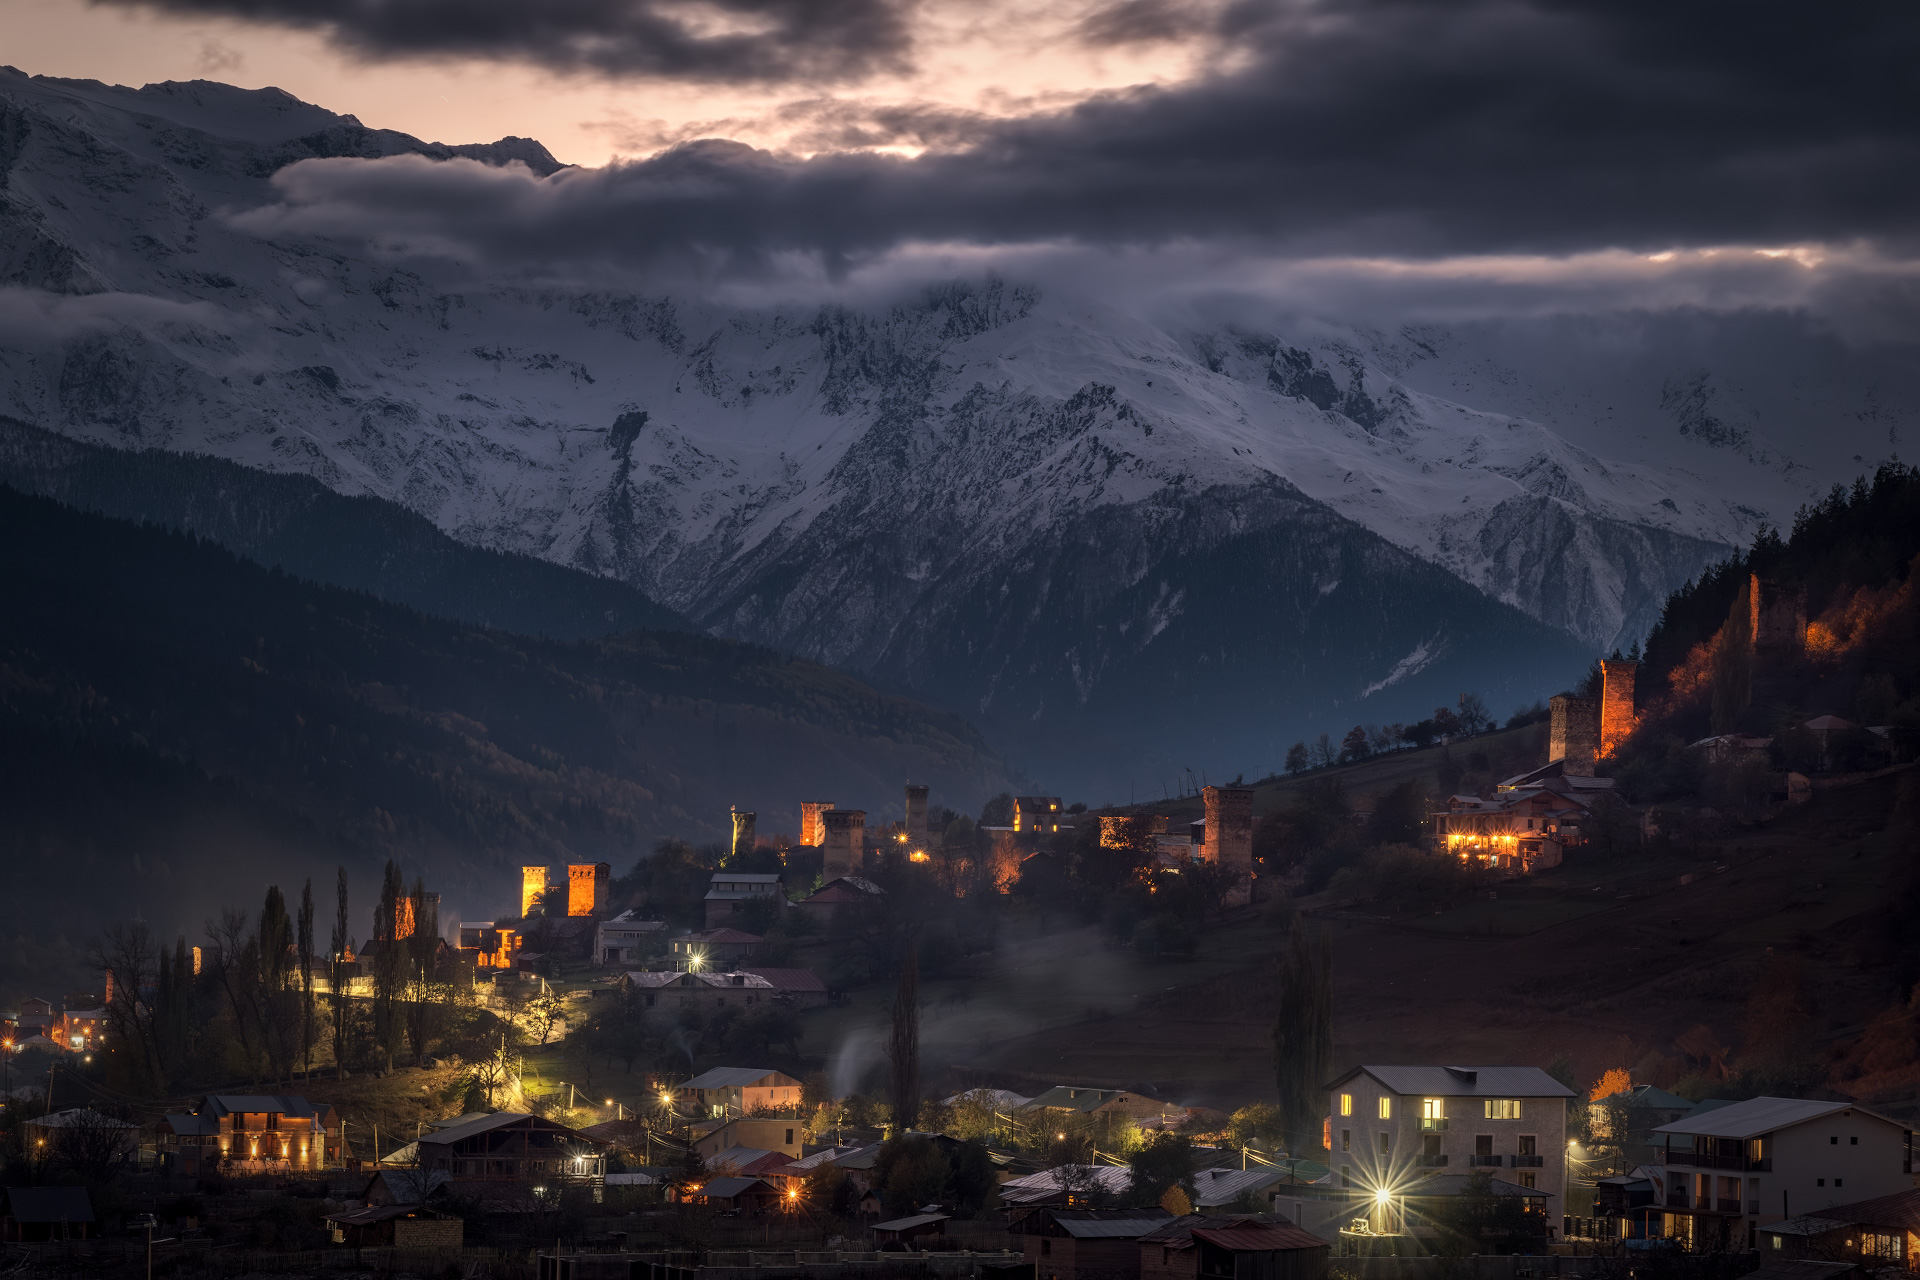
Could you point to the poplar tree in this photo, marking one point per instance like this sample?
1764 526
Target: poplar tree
903 1048
1303 1037
305 939
337 977
389 964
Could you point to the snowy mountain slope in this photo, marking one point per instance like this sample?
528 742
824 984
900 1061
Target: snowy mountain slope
1037 508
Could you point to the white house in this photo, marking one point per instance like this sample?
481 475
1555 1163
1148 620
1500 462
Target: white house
1389 1127
1737 1168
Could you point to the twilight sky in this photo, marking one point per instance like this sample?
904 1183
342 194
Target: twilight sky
1492 154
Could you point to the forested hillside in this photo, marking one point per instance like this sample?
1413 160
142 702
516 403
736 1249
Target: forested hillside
295 523
180 726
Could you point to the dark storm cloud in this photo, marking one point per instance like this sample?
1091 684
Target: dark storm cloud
1409 129
720 41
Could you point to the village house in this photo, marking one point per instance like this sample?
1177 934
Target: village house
508 1147
1202 1248
253 1131
627 939
838 897
801 988
1733 1170
83 1132
1392 1125
736 1091
739 1134
702 990
1039 815
397 1226
1087 1100
730 891
714 949
1068 1186
1086 1244
747 1197
1881 1232
487 945
1527 824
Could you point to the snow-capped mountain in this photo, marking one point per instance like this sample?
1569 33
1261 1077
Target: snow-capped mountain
1165 545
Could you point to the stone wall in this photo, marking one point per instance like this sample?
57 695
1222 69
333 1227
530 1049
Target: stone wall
1573 734
743 831
587 888
533 883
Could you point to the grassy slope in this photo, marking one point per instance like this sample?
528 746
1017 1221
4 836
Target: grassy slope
1607 961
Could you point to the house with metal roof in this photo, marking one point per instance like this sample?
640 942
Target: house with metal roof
1090 1100
1392 1126
710 949
1067 1186
252 1131
736 1091
509 1147
1086 1244
702 989
730 891
1744 1166
1881 1232
801 988
1201 1248
749 1196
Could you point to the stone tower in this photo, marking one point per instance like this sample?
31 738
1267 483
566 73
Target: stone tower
742 831
1229 843
533 883
1573 734
1779 614
843 847
1617 713
813 829
587 888
916 818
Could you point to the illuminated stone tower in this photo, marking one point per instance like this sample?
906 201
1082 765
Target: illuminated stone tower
1229 843
587 888
916 817
533 883
813 827
742 831
1617 714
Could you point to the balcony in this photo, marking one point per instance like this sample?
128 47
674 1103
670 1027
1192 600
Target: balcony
1727 1206
1529 1162
1433 1124
1484 1162
1708 1160
1677 1200
1433 1162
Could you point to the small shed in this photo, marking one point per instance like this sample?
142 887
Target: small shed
902 1231
743 1195
1199 1248
48 1213
400 1226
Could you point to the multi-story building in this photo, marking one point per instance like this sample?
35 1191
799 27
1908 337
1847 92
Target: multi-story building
736 1091
1730 1171
512 1148
263 1131
1391 1126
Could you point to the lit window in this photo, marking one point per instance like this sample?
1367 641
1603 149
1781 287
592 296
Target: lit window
1503 1108
1346 1104
1386 1108
1433 1109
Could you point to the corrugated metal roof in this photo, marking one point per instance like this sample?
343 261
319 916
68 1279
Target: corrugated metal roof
788 979
819 1158
904 1224
1051 1182
728 1188
1901 1209
1259 1237
259 1103
486 1124
738 1078
738 1158
1757 1116
1108 1228
1463 1082
1221 1186
186 1123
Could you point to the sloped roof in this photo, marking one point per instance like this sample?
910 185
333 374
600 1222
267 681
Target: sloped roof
1074 1097
1646 1095
736 1078
724 936
788 979
818 1158
1828 723
255 1103
1248 1236
79 1117
1757 1116
1463 1082
1128 1228
907 1224
1051 1182
998 1097
1221 1186
736 1158
745 877
1901 1209
49 1204
728 1188
185 1122
382 1213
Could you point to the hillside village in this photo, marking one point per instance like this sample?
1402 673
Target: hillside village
832 1047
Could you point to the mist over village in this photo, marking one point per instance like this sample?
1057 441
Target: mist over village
952 640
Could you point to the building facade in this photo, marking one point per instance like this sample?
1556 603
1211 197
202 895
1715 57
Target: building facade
1392 1126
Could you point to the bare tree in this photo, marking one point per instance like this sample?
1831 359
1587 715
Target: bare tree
127 955
233 955
903 1048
